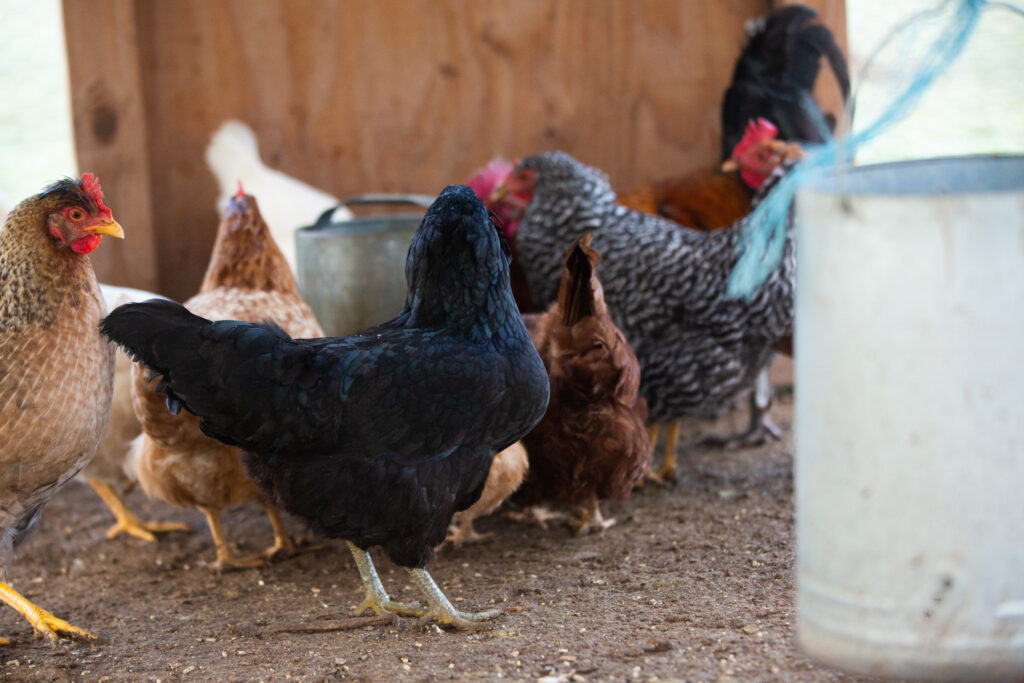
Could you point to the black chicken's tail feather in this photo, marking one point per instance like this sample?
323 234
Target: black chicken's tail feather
775 74
204 366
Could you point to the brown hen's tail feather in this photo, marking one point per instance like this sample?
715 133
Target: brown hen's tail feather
580 295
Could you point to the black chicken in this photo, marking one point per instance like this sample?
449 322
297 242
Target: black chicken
775 74
381 436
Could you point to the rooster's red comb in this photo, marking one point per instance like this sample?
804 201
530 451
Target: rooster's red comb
758 130
91 187
241 192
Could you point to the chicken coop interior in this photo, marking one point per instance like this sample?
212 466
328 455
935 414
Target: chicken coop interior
517 388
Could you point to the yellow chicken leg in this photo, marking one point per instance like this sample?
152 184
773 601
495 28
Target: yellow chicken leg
377 598
127 522
668 467
224 557
442 611
283 542
44 623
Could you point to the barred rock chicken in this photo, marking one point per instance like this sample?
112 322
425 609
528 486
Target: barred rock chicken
287 203
381 436
665 286
56 371
592 443
110 469
249 279
506 474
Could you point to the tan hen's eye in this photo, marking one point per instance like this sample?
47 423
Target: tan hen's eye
76 214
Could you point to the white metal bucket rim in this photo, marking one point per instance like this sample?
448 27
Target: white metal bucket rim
975 174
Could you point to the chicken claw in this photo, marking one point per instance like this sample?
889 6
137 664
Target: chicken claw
441 610
463 532
377 598
668 467
588 518
44 623
761 428
283 543
225 560
535 514
127 522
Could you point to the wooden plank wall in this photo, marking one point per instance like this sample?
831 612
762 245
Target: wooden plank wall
390 95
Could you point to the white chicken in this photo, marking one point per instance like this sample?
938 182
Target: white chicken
5 207
110 469
286 203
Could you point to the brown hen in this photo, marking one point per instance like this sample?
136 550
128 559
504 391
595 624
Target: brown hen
247 279
592 444
56 372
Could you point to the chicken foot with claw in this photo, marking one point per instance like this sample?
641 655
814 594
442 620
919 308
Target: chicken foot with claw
44 623
377 598
761 428
441 610
127 522
588 518
534 514
225 558
668 467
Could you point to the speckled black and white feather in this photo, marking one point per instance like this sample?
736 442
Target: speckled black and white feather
665 288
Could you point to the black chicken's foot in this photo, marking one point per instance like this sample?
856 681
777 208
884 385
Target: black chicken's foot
441 610
377 599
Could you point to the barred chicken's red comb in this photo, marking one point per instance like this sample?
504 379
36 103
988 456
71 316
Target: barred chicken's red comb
91 187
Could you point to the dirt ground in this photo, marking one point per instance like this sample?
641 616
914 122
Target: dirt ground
695 582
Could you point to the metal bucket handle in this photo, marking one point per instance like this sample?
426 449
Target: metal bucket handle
415 199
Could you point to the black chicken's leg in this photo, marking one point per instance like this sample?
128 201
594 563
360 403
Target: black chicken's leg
377 598
442 611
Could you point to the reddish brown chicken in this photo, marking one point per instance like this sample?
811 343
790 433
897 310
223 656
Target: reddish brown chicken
712 199
248 279
592 444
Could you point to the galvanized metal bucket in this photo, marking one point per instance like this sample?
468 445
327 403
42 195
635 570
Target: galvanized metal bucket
352 273
910 419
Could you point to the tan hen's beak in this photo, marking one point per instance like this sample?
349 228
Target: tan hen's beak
113 228
730 165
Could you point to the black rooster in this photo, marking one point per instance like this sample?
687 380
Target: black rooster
379 437
775 74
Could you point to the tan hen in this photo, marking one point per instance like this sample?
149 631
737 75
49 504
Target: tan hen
247 279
